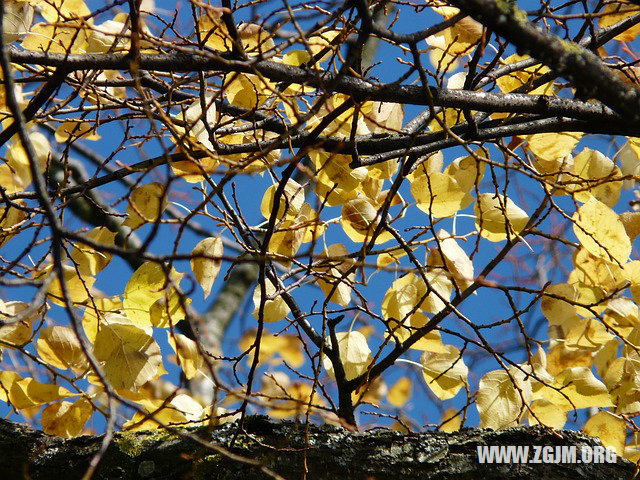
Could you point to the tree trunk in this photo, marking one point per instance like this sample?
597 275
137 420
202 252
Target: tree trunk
283 448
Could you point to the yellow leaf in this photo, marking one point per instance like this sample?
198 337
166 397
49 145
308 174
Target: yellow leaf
491 220
182 409
296 57
70 130
290 202
457 262
631 222
286 346
88 260
17 20
275 309
10 222
499 403
146 204
451 421
609 428
28 392
587 335
78 287
392 256
552 146
601 232
400 393
322 40
66 419
18 161
355 354
107 37
631 273
382 117
7 378
96 312
454 41
439 194
128 355
196 122
622 315
12 182
60 347
187 350
629 156
520 78
145 287
330 275
590 167
246 90
298 397
194 170
603 359
360 219
429 342
596 272
547 413
579 389
554 306
560 358
206 269
213 29
616 12
12 333
445 373
427 165
60 10
169 309
286 240
70 37
468 171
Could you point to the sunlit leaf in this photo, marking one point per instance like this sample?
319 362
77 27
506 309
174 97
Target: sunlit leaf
66 419
601 232
60 347
146 204
128 355
206 269
275 309
400 392
496 215
89 260
609 428
500 404
355 354
187 350
445 373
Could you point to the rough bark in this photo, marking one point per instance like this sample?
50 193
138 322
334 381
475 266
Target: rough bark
284 448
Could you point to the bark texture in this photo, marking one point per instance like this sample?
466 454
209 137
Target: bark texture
284 448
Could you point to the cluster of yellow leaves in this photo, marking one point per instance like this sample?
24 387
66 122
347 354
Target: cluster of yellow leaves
119 337
443 194
505 396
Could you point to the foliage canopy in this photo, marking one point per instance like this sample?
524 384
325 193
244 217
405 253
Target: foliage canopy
458 196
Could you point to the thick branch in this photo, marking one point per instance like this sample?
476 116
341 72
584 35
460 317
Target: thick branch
328 453
358 88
